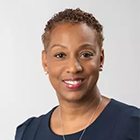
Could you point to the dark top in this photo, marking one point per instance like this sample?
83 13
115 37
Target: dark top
117 121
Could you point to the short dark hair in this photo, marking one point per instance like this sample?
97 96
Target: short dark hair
73 16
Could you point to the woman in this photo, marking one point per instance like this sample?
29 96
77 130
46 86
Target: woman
72 57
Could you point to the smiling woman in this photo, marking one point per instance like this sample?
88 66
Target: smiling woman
74 52
73 56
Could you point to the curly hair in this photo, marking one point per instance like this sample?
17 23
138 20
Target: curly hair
73 16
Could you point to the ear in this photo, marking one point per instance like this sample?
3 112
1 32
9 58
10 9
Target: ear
102 57
44 61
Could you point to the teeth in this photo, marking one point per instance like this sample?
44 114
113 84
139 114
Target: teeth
73 82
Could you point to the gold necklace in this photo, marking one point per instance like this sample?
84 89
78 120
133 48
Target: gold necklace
63 136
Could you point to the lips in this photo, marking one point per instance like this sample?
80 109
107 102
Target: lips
73 83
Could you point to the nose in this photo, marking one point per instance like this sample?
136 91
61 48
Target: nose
74 66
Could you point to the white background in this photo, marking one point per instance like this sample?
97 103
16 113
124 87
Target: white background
24 89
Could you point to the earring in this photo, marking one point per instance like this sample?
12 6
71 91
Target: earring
101 69
46 73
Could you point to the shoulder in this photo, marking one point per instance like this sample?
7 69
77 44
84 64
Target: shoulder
21 129
31 124
133 125
127 119
124 109
31 121
121 113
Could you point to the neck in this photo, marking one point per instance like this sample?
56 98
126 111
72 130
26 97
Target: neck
86 106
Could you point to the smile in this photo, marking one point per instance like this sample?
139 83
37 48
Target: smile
73 84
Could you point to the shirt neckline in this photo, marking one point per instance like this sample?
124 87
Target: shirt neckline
91 125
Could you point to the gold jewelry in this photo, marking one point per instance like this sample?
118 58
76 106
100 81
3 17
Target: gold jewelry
87 123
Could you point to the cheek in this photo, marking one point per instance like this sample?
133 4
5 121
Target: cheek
54 69
54 76
92 67
93 74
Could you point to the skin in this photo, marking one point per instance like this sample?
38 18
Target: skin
73 52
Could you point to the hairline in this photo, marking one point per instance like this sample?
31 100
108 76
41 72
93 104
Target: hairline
67 22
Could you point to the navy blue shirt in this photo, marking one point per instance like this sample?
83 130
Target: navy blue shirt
117 121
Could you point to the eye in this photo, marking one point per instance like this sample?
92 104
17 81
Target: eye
86 55
60 55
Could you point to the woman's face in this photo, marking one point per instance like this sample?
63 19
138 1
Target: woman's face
73 60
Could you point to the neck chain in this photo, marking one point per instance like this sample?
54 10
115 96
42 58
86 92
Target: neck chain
87 123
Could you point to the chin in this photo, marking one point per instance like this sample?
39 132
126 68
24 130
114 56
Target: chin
72 96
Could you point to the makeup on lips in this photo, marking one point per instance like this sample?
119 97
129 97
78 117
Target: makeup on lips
73 83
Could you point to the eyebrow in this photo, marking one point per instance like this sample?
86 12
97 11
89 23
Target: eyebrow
81 46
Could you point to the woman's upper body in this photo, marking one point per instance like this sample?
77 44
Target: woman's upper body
73 56
117 121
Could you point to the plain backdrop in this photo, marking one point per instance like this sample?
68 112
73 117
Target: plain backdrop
25 90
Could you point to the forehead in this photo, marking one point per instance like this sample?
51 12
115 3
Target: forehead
73 33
